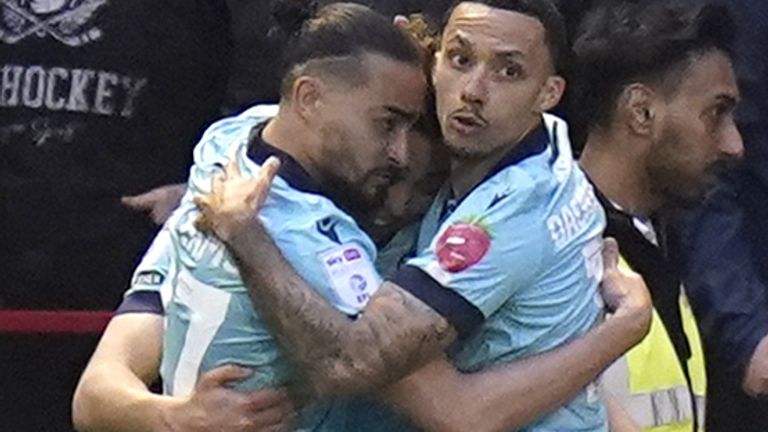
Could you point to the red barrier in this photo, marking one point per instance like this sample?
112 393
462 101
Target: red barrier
72 322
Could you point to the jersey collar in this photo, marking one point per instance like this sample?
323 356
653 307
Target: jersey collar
535 142
290 170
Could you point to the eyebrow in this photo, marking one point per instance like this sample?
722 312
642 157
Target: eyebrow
730 101
509 55
399 112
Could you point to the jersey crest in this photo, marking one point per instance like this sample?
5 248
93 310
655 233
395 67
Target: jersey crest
463 245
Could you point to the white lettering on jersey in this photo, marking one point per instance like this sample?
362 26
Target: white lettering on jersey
66 21
352 275
209 307
73 90
573 217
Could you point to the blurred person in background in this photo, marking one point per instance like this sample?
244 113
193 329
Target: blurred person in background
656 91
99 99
726 244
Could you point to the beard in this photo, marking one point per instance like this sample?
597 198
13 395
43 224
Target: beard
673 180
354 196
477 150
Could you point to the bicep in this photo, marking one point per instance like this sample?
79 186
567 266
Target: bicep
132 342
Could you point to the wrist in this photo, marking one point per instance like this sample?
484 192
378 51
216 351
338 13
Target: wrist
624 330
171 412
245 235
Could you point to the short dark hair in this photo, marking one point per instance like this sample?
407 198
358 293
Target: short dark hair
334 38
545 11
647 41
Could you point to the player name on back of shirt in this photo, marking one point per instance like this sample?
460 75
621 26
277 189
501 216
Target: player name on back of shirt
574 216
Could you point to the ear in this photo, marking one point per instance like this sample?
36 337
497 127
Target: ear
307 96
435 62
637 109
551 93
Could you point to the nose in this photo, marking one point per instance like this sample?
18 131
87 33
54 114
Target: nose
731 144
475 90
397 150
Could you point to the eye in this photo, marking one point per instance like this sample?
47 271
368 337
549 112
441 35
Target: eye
388 124
459 60
720 112
511 71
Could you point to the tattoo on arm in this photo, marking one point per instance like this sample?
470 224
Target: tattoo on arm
339 355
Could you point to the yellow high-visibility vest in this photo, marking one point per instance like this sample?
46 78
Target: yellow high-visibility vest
650 384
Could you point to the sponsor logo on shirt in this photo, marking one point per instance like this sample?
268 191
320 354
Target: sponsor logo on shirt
463 245
499 197
351 274
66 21
149 278
327 227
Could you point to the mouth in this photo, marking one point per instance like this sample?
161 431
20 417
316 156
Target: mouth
383 177
466 123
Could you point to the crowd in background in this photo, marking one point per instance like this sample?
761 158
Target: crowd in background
102 101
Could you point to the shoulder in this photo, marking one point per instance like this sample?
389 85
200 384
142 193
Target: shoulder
514 192
220 136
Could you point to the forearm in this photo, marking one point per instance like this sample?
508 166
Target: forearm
113 393
438 398
111 399
339 355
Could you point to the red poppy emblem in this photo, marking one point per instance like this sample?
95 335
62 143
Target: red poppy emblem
461 246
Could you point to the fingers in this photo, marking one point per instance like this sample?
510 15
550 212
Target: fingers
203 222
276 415
217 182
223 375
610 254
232 170
267 398
401 21
263 183
269 169
138 202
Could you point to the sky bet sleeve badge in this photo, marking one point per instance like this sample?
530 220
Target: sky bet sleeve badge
352 275
463 245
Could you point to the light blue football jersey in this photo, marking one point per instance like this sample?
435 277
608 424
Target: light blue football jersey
523 252
210 318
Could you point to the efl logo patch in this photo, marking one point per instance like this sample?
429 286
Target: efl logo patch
67 21
462 245
352 276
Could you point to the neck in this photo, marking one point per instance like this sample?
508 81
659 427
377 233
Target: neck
613 160
281 132
468 173
285 132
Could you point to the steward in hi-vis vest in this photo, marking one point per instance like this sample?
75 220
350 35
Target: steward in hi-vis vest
661 383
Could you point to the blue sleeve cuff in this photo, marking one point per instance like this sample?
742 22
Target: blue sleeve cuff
141 302
463 315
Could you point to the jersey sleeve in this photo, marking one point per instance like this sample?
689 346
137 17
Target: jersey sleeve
150 282
486 251
324 246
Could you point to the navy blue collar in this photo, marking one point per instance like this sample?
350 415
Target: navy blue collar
535 142
290 170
